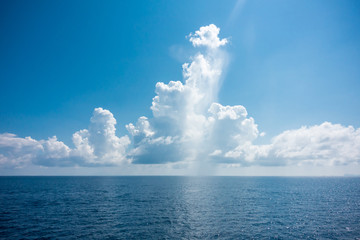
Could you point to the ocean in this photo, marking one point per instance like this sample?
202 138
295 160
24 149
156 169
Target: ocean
145 207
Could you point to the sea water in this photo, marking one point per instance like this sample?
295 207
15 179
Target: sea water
179 208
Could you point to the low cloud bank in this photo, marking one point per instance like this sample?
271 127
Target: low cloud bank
188 126
96 146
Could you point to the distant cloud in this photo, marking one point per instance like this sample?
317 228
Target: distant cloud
96 146
188 126
326 144
17 152
323 145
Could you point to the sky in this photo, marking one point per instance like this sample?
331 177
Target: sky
180 88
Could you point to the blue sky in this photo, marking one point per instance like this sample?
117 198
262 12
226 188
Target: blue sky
290 63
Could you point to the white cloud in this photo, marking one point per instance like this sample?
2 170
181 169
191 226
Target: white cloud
99 145
326 145
190 128
96 146
186 114
230 127
199 129
207 36
17 152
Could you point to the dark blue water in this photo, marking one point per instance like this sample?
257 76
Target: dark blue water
179 208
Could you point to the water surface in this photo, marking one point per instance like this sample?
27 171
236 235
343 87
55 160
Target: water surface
179 208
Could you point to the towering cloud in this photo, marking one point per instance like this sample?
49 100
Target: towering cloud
188 125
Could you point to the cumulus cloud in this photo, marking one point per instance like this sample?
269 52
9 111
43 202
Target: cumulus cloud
181 123
17 152
190 127
326 144
96 146
99 144
207 36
